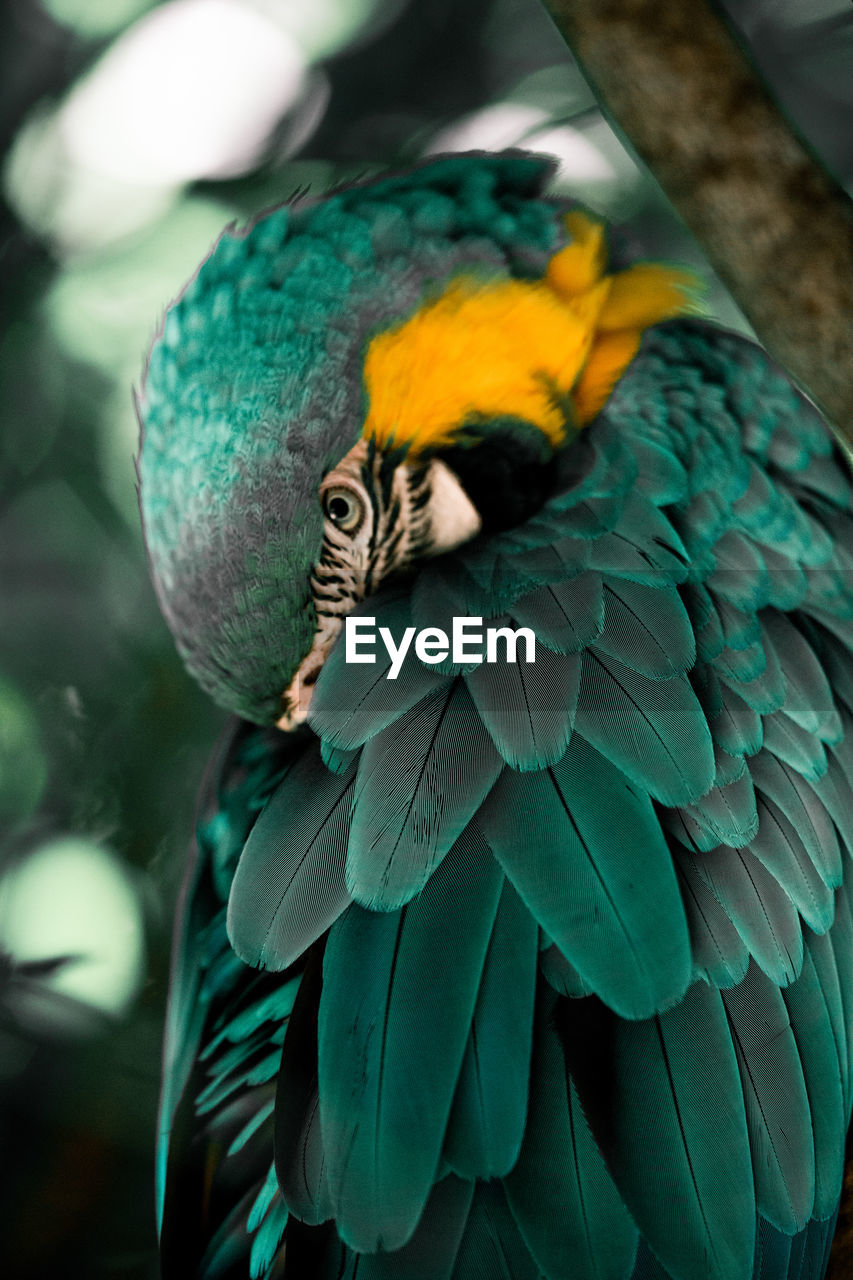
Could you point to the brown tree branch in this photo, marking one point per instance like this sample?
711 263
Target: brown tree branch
777 229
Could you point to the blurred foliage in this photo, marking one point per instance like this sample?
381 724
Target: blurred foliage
102 735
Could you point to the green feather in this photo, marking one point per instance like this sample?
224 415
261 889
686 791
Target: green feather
736 727
566 616
796 746
647 629
561 837
779 848
777 1105
490 1106
757 906
674 1138
764 692
809 701
807 1005
725 815
492 1247
802 807
299 1155
431 1252
645 548
527 707
399 992
720 956
569 1212
419 783
653 730
289 884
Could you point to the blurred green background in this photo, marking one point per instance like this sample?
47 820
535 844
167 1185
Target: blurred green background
131 133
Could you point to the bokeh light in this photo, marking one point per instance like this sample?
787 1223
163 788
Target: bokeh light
72 898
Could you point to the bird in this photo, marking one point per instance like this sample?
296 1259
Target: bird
516 937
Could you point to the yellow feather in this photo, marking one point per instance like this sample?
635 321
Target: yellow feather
504 349
534 350
577 267
609 357
645 294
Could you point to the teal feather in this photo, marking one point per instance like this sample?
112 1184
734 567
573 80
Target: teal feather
492 1247
289 884
377 1018
645 548
779 848
835 788
569 1212
796 746
730 766
764 507
838 668
591 517
803 809
528 708
812 1029
251 1127
725 815
830 953
431 1252
764 692
565 616
740 629
773 1252
655 731
701 522
824 950
757 906
227 1246
777 1105
441 593
336 759
660 476
707 628
809 700
542 546
740 576
742 666
559 836
736 727
490 1105
720 956
842 944
646 629
787 580
662 1126
419 783
267 1240
300 1161
560 974
263 1200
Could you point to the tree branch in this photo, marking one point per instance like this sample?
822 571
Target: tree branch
777 229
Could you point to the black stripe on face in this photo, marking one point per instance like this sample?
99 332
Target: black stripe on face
506 467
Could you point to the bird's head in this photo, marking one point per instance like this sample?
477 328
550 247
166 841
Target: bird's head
360 382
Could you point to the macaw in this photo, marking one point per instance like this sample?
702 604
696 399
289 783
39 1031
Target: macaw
498 959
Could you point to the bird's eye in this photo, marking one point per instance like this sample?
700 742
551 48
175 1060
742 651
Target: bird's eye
344 508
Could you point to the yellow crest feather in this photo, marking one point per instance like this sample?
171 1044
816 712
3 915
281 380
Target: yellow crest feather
517 348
